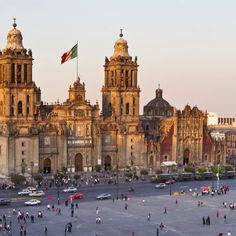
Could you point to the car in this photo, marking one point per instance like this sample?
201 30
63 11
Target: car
24 192
76 196
37 194
161 185
32 189
32 202
104 196
70 190
4 201
171 181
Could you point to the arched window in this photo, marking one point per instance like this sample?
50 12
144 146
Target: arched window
28 99
19 107
127 108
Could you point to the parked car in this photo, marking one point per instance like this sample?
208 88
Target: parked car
70 190
161 185
76 196
32 202
4 201
37 194
24 192
32 189
171 181
104 196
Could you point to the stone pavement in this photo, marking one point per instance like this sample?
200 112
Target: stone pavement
183 218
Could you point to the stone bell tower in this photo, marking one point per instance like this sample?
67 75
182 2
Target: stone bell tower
120 93
18 93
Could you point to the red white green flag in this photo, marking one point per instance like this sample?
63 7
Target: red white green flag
72 53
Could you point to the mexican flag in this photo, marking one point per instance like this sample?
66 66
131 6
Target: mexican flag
72 53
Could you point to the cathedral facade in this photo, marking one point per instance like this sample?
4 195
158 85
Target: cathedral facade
76 136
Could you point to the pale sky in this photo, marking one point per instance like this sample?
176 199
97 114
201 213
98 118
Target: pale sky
188 46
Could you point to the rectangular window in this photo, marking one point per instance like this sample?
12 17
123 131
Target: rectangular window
23 144
25 73
22 153
13 72
18 74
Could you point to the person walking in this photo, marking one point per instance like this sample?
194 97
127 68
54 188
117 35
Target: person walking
203 220
225 218
157 231
126 206
165 210
45 230
149 216
217 213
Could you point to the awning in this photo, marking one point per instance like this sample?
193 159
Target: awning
168 163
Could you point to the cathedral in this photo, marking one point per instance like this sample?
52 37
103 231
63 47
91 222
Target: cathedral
79 137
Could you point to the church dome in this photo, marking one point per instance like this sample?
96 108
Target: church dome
120 48
158 106
14 39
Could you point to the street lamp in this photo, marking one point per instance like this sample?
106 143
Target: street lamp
218 177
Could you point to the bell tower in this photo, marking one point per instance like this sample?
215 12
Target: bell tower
18 93
120 93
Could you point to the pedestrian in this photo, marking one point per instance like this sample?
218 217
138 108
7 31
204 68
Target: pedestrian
220 234
165 211
208 221
157 231
176 201
217 213
53 207
132 233
149 217
203 220
225 218
45 230
228 233
143 201
126 206
48 207
97 210
76 205
161 226
113 199
72 213
24 231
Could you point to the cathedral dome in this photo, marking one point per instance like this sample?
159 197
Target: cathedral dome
120 48
158 106
14 39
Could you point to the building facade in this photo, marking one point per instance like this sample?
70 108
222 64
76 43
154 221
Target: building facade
76 136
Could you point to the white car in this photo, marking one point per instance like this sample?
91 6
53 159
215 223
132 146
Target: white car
24 192
104 196
31 189
161 185
37 194
32 202
70 190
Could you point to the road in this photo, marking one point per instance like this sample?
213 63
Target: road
142 189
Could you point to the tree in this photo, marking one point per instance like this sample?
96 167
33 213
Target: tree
202 169
128 174
215 169
77 176
17 179
144 172
38 177
189 169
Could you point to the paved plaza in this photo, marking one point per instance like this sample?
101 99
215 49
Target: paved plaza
183 218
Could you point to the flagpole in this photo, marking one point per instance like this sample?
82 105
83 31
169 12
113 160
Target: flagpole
77 64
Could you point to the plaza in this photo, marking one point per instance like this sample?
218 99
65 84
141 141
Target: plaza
184 217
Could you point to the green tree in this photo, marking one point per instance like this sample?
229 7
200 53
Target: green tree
38 177
77 176
189 169
144 172
215 169
128 174
202 169
17 179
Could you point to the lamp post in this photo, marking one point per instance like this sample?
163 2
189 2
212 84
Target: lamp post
170 188
218 176
117 179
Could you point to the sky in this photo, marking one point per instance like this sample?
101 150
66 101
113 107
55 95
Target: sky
186 46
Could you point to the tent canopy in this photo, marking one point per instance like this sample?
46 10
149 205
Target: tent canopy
168 163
